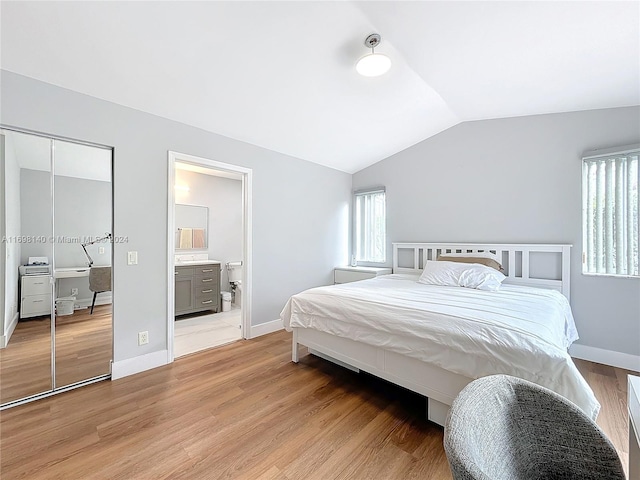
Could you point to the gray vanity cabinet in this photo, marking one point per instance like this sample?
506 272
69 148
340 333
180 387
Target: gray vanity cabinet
197 288
185 300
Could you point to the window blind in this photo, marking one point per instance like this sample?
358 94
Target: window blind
610 213
370 225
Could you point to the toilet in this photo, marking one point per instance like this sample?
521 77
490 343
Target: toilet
234 269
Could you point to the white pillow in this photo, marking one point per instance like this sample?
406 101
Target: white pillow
470 275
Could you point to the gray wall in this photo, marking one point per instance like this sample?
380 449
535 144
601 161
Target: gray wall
299 222
515 180
82 209
35 213
223 197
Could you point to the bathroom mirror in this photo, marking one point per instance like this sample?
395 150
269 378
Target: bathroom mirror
191 227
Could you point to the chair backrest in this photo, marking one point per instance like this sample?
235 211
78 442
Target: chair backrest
501 427
100 279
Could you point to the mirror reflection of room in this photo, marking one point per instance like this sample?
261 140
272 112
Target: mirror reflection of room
25 356
56 234
208 258
82 253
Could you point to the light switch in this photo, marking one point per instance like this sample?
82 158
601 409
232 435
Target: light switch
132 258
100 250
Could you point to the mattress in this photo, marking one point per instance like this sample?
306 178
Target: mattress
517 330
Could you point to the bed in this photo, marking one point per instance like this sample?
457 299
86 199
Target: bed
435 339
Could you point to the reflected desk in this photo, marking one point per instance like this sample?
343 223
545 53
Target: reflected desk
35 290
71 272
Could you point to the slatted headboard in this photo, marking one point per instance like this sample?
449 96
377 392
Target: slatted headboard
541 265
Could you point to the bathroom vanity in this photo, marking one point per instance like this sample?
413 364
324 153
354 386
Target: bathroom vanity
197 286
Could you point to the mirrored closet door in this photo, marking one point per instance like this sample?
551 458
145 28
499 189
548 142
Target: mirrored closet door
57 229
26 356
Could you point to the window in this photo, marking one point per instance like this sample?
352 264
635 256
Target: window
610 213
370 225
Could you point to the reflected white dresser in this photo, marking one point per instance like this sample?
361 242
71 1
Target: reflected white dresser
35 295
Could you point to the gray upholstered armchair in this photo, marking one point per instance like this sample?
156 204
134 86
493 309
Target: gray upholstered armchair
99 281
501 427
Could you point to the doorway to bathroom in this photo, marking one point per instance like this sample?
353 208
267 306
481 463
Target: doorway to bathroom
209 254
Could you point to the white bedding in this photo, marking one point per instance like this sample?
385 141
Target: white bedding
519 331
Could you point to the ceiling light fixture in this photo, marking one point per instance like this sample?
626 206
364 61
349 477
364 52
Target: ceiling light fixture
182 188
373 64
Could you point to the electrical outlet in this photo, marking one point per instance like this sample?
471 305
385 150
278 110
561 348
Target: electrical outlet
100 250
74 291
143 338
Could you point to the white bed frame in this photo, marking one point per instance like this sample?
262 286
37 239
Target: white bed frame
437 384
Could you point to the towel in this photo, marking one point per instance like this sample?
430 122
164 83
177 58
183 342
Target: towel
198 238
186 237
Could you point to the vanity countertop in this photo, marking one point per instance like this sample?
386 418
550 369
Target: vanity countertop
189 263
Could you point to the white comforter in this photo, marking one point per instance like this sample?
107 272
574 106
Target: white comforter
519 331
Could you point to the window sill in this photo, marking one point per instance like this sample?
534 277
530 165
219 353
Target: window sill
610 275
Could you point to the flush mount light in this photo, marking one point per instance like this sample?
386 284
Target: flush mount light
373 64
182 188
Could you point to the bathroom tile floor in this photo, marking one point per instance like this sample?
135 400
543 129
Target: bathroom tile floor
195 333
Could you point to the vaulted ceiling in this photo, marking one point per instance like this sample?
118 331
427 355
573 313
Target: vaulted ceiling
282 75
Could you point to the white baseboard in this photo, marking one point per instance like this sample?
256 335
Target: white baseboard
607 357
4 339
267 327
131 366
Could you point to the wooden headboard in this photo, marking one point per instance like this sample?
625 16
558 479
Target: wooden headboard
538 265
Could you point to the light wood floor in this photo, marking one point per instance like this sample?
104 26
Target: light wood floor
83 350
244 411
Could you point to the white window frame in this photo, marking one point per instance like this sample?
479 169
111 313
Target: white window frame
357 241
614 228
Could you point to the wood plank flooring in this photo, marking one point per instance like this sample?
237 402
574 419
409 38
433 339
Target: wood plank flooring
244 411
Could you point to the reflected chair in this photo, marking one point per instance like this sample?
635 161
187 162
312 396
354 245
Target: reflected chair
99 282
501 427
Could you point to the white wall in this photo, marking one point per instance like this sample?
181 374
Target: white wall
300 222
12 250
223 197
515 180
